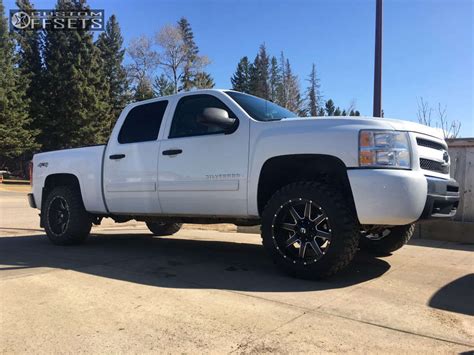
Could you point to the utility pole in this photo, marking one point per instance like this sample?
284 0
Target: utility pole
378 61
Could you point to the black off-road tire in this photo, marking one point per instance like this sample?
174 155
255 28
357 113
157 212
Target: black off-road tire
345 229
397 238
162 229
77 227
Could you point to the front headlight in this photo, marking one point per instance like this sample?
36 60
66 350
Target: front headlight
386 149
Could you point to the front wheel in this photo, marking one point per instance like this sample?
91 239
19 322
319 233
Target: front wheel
309 230
66 221
162 229
384 240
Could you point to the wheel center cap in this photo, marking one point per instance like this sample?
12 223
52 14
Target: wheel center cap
303 230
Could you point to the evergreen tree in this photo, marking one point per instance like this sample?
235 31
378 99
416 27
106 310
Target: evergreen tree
191 50
162 86
110 45
144 90
354 113
293 91
344 113
275 79
259 74
15 137
76 87
193 74
282 94
203 80
31 67
330 108
337 112
312 93
321 111
241 78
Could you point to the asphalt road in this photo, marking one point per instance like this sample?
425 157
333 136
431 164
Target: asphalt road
212 292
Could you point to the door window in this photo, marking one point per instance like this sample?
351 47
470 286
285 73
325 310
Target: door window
142 123
185 120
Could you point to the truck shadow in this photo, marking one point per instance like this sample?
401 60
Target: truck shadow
456 296
173 262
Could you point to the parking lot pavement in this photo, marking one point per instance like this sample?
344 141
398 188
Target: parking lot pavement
208 291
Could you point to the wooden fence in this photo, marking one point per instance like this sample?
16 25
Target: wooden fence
461 151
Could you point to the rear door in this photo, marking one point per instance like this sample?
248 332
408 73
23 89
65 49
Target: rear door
131 160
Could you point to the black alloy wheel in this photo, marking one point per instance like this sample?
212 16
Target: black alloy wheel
58 215
301 231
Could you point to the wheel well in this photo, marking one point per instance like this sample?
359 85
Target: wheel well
55 180
286 169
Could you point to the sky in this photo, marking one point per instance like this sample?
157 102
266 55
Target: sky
427 45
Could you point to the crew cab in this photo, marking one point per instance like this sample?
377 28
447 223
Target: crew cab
321 187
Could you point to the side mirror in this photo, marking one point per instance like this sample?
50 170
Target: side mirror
214 116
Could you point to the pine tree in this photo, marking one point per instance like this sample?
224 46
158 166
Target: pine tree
321 111
282 94
76 88
203 80
312 93
144 90
15 137
162 86
293 91
241 78
337 112
191 50
110 45
31 67
193 74
275 78
330 108
260 74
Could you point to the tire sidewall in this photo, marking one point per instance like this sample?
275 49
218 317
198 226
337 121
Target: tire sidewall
340 231
163 229
78 225
398 237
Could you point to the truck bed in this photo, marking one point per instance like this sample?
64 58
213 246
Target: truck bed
84 163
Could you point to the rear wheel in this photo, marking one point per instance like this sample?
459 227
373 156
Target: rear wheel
384 240
309 230
162 229
65 219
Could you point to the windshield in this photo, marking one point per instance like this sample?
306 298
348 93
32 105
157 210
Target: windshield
260 109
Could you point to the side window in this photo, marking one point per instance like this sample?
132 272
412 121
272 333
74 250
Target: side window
185 120
142 123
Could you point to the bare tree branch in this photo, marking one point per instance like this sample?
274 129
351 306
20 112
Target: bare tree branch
450 129
424 112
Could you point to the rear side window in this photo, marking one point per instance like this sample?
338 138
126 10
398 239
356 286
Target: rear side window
185 120
142 123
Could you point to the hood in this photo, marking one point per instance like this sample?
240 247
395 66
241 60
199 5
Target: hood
401 125
378 123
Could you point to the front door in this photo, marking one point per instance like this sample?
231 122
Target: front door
202 169
131 161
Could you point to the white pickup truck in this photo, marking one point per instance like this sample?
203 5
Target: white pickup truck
320 187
